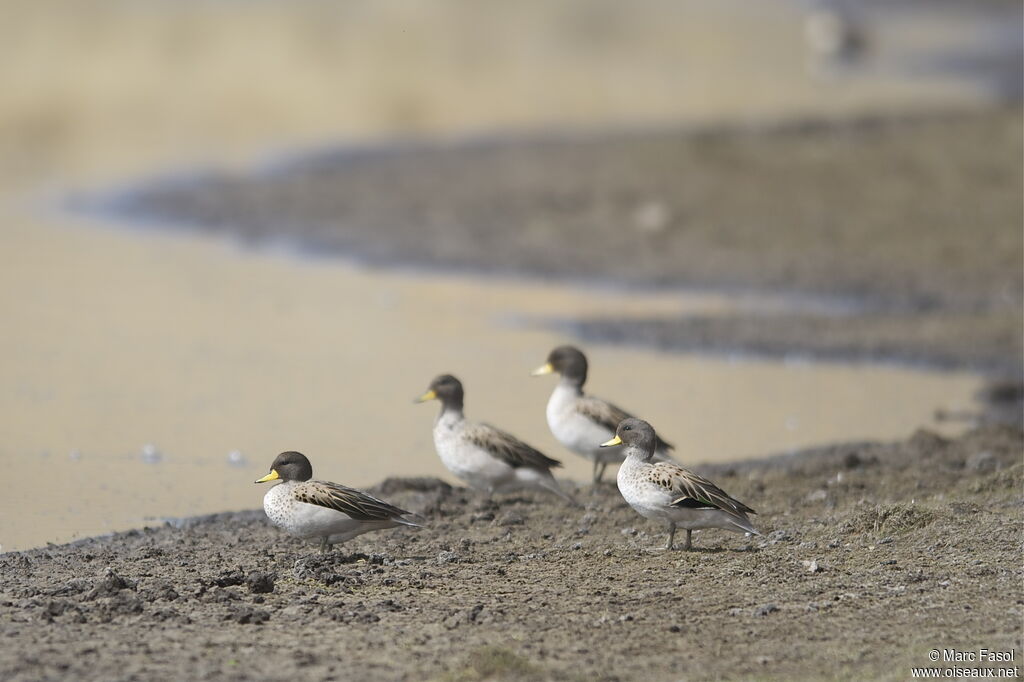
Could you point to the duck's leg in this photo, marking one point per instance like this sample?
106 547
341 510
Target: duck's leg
323 545
596 476
687 544
671 535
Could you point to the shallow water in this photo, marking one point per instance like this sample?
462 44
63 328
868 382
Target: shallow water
118 340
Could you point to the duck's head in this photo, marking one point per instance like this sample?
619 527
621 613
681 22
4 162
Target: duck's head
634 433
289 466
445 388
569 361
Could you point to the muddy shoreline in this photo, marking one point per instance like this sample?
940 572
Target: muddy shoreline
871 555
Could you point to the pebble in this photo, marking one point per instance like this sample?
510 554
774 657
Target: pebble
819 495
511 519
983 462
247 615
651 217
260 583
151 454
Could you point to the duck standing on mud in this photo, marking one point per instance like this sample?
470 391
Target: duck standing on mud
482 455
664 491
582 422
320 509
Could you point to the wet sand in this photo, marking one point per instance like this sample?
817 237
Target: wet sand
872 555
910 224
214 350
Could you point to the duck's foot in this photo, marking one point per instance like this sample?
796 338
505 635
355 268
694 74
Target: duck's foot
671 537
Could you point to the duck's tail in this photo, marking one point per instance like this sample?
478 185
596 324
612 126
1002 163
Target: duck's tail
544 479
742 524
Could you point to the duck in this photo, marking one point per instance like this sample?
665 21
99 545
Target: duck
664 491
334 513
582 422
484 456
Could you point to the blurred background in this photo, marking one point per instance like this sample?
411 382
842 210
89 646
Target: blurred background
771 225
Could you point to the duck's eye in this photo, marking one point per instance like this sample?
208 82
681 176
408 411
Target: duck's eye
627 428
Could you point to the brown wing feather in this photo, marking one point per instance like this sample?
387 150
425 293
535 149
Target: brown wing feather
691 487
609 415
355 503
508 448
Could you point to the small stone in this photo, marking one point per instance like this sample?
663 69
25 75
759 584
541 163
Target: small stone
511 519
109 585
247 615
812 566
983 462
852 460
819 495
628 531
447 557
260 583
765 609
776 536
923 439
651 217
151 454
229 579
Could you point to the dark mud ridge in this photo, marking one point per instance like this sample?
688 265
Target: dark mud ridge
873 554
918 219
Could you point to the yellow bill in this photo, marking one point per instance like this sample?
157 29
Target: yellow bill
613 441
546 368
429 395
272 476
